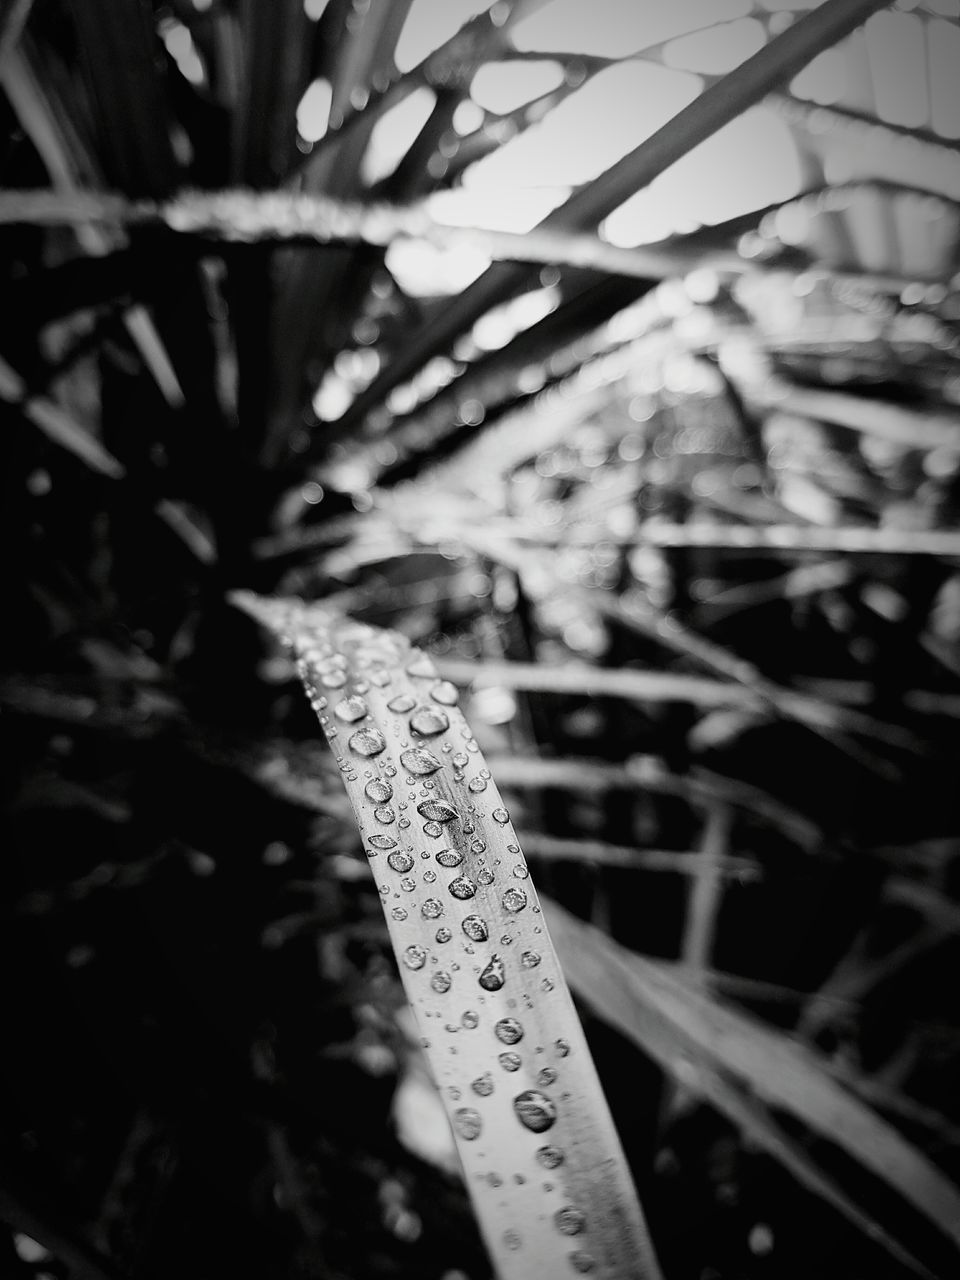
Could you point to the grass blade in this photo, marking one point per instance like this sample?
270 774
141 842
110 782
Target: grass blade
390 714
647 1003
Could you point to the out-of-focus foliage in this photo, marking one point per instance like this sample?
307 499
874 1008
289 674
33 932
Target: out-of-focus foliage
689 544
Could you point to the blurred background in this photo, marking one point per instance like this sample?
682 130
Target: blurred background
610 352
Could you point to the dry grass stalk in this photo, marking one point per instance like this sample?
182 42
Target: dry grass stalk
541 1157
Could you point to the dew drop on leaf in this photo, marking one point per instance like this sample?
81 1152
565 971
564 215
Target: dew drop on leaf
462 888
402 702
378 791
418 761
443 934
398 913
530 959
485 876
350 709
437 811
546 1077
449 858
569 1221
385 815
514 899
510 1061
550 1157
535 1110
408 885
367 742
475 928
445 693
467 1123
460 760
520 871
508 1031
470 1019
493 977
476 785
382 842
431 909
582 1262
432 829
415 957
483 1085
562 1048
427 722
500 815
441 981
513 1240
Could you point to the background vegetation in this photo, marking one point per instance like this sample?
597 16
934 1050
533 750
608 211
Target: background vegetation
680 520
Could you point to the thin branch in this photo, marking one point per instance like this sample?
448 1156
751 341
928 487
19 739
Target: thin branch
251 217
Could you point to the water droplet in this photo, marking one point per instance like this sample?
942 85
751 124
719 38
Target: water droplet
441 981
419 761
398 913
432 829
530 959
478 846
443 934
367 742
483 1085
469 827
582 1262
477 785
449 857
437 811
562 1048
382 842
513 848
485 876
550 1157
445 693
460 761
546 985
508 1031
546 1077
520 871
431 909
430 877
427 722
453 1092
402 702
386 816
535 1110
470 1020
420 665
514 899
467 1123
399 861
569 1220
492 978
378 791
350 709
390 770
510 1061
404 823
513 1240
500 815
462 888
475 928
333 679
408 885
415 957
